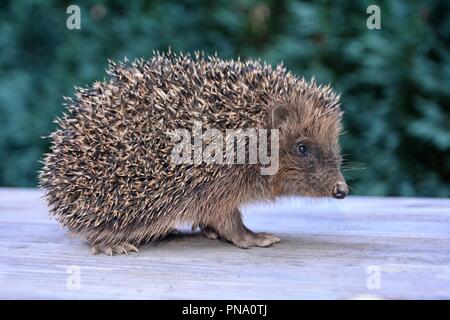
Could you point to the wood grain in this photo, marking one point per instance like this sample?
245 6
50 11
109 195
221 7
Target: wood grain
327 250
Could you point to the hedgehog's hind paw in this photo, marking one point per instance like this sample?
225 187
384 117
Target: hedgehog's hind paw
122 248
210 233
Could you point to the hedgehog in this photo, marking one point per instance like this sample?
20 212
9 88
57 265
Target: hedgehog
110 177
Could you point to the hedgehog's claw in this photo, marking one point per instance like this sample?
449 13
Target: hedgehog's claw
123 248
252 239
130 247
266 239
108 251
120 250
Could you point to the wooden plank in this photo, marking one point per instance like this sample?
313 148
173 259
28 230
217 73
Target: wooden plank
330 250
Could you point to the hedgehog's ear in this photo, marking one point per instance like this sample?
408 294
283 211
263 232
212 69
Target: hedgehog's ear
280 114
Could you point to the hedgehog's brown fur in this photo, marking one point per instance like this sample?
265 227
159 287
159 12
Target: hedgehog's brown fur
109 177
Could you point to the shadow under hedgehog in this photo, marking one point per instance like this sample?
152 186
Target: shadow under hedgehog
109 177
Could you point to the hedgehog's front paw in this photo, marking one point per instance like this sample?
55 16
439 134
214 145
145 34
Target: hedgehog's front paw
122 248
252 239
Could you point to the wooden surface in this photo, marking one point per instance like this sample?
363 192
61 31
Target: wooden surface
359 247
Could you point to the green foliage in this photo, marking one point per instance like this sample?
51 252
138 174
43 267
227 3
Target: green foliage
395 82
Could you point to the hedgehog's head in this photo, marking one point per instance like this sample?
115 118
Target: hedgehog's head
309 151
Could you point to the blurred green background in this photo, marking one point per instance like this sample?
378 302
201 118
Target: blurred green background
395 82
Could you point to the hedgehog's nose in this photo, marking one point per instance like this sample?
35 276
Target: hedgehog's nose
340 190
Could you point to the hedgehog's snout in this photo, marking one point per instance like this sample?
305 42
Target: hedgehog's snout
340 190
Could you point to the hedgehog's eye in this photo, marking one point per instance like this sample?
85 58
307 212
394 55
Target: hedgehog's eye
302 149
